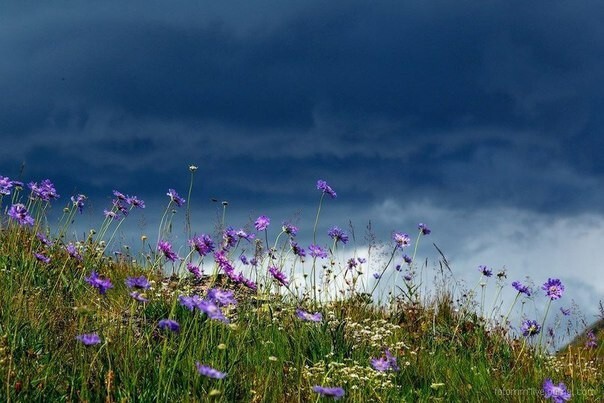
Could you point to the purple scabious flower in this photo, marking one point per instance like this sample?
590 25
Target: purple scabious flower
166 248
194 270
385 363
530 328
229 236
45 191
351 263
175 198
19 213
558 393
89 339
317 251
244 235
101 284
335 392
78 201
72 251
169 324
42 238
135 202
5 185
361 260
325 188
111 214
554 288
191 302
591 342
424 229
119 195
401 239
289 229
338 235
42 258
212 310
203 244
221 297
278 275
485 271
262 223
297 249
140 283
244 260
377 276
407 259
309 317
522 289
209 371
408 276
138 296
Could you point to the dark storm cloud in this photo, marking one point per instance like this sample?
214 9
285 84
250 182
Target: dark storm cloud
465 103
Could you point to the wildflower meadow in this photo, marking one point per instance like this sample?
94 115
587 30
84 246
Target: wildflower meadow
249 312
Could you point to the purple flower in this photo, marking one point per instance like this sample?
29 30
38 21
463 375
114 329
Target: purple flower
166 248
229 236
212 310
42 258
278 275
310 317
191 302
19 213
424 229
325 188
530 328
101 284
262 223
135 202
169 324
338 235
317 251
140 283
203 244
89 339
244 235
401 239
565 312
138 296
351 263
485 271
522 289
42 238
554 288
297 249
407 259
221 297
335 392
5 185
361 260
194 270
120 196
209 371
45 191
591 342
175 198
408 276
78 201
289 229
376 275
385 363
558 393
72 251
111 214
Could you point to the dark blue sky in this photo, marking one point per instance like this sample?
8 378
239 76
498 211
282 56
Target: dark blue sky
483 119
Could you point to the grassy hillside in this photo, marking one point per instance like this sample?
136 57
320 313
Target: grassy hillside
78 323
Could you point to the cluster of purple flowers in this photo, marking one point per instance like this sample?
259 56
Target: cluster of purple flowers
385 363
262 223
309 317
590 341
325 188
558 393
203 244
42 257
45 191
43 239
522 289
166 248
72 251
278 275
5 185
338 235
232 236
120 204
78 201
169 324
335 392
175 198
223 263
139 283
209 371
89 339
211 305
19 213
99 283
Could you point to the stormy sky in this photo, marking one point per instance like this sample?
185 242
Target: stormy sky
482 119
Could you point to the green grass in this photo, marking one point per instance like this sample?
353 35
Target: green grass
445 350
